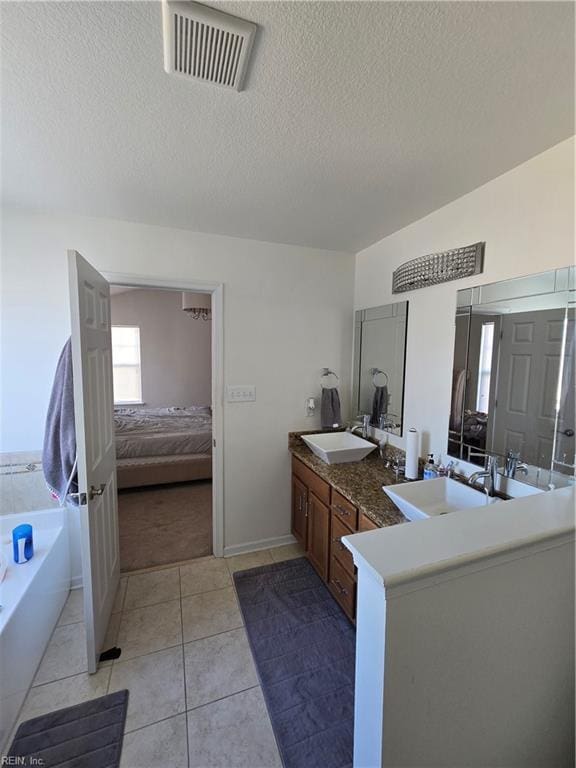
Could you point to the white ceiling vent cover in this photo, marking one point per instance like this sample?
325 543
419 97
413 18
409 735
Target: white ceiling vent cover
201 43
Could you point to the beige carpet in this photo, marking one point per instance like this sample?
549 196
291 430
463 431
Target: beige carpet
164 524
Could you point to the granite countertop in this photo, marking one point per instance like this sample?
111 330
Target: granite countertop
360 481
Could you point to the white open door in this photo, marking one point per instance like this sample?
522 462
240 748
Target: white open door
93 406
529 364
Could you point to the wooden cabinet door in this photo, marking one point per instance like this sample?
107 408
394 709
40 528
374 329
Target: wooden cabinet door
365 524
339 550
318 535
343 587
299 512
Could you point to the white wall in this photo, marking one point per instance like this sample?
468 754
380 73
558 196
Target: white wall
287 313
175 354
526 218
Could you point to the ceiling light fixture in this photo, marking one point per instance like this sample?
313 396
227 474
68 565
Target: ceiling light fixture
197 305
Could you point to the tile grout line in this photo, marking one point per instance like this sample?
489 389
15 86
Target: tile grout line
162 720
216 634
119 613
184 671
222 698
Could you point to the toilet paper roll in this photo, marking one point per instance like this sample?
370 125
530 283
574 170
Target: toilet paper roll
412 450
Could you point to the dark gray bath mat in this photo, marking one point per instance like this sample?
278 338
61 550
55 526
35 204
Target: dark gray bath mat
88 735
304 649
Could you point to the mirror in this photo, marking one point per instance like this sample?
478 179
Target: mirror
379 363
513 377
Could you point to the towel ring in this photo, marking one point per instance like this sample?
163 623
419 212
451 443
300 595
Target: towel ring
377 372
327 372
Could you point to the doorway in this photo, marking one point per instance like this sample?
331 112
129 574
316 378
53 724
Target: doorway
161 362
170 505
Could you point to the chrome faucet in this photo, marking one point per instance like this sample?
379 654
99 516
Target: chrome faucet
365 426
490 475
513 465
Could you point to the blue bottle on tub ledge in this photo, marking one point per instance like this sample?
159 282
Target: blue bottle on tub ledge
22 543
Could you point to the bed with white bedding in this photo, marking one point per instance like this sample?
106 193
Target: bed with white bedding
156 445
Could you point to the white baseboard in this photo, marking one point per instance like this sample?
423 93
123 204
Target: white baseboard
76 582
255 546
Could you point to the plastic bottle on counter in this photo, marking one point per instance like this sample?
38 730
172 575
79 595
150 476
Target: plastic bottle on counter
430 469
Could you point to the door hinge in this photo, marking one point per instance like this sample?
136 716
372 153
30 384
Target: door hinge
213 442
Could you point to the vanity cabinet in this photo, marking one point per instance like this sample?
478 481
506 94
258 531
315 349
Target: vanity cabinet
311 515
339 551
343 587
321 516
299 512
344 510
318 535
365 524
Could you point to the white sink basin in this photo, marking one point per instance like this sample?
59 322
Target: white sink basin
428 498
338 447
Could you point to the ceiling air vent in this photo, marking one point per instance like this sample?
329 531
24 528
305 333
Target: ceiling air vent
201 43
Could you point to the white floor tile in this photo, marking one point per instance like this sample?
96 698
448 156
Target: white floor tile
233 733
65 654
156 685
161 745
218 666
151 588
210 613
204 575
65 693
286 552
248 560
149 629
73 610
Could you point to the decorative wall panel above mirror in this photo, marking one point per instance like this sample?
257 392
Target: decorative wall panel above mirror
379 364
513 385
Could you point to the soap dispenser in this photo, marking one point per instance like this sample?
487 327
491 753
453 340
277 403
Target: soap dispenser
430 470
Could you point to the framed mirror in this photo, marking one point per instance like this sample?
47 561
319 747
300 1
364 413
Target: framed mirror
513 385
379 365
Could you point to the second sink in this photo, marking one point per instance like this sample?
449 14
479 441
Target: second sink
428 498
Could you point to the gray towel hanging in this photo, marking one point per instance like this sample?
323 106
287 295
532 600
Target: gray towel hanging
330 415
379 404
59 452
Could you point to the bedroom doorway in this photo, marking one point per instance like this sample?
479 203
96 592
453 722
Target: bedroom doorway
164 353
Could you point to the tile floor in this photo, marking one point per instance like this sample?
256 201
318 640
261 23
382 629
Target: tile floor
194 694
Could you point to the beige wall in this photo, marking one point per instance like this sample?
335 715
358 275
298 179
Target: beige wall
526 217
287 313
174 348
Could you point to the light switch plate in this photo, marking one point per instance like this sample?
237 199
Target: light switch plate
241 393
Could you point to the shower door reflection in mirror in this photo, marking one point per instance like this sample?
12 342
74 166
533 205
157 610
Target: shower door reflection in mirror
513 377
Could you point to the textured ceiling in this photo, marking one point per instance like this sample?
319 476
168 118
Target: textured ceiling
357 118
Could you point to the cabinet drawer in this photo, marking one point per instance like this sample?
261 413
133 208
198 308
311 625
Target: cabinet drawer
365 524
343 587
338 550
319 487
346 511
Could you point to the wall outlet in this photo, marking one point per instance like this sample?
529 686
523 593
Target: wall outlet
241 393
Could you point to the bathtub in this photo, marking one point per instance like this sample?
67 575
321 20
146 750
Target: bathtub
32 596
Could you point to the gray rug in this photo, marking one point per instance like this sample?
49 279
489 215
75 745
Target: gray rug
304 649
88 735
